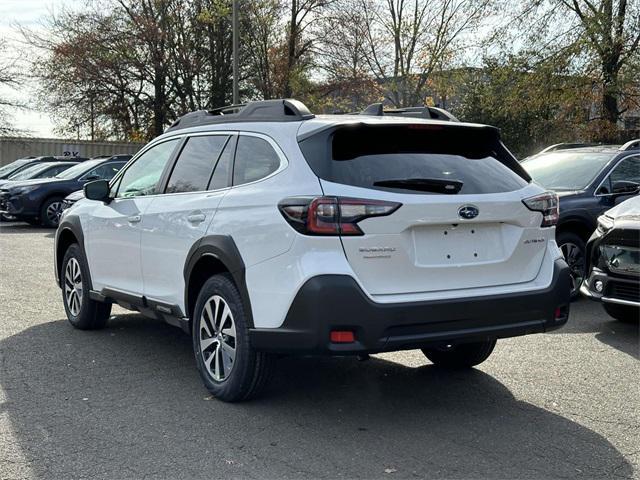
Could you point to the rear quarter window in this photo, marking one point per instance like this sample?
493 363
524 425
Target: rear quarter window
415 154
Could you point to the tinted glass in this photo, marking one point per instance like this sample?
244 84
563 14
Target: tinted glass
195 164
80 169
222 174
105 172
414 159
141 178
255 159
53 171
10 167
628 170
566 170
29 172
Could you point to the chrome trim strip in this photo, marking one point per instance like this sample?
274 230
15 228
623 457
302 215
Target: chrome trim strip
620 302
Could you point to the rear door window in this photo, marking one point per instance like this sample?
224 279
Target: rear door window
222 174
195 164
421 159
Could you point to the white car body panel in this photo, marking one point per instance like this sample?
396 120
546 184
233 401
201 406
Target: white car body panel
172 224
112 242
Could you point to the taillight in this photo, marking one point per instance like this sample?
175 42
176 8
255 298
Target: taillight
547 204
332 215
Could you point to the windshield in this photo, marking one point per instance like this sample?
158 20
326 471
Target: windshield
13 165
29 172
78 170
566 170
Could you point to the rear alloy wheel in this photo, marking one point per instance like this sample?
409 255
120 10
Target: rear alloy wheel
464 355
51 211
623 313
229 367
573 249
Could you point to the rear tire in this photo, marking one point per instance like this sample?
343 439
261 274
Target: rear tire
464 355
574 251
229 367
51 211
82 312
623 313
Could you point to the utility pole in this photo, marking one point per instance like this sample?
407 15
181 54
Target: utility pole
236 35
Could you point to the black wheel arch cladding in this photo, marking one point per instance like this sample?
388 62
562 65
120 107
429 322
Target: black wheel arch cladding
223 249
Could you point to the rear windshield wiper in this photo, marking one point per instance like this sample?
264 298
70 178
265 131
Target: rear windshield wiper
435 185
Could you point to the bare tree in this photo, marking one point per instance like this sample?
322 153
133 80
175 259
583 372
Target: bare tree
408 40
9 78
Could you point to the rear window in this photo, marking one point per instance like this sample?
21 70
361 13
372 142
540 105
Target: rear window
421 159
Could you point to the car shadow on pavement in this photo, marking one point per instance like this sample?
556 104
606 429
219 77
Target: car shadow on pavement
126 402
619 335
18 228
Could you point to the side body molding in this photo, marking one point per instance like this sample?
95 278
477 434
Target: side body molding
224 250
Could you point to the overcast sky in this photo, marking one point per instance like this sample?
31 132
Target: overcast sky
27 13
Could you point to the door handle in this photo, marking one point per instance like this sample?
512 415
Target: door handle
196 217
134 219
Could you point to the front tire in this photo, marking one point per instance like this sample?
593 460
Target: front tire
574 251
229 367
623 313
464 355
51 211
82 312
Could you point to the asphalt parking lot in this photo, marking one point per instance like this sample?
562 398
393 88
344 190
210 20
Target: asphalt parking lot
127 402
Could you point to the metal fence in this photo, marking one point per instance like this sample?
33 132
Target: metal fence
12 148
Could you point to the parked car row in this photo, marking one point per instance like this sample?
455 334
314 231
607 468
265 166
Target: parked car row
588 181
34 189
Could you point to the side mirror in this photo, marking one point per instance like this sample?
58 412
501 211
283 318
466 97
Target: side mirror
97 190
623 187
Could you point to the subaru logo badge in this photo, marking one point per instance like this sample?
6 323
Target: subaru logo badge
468 212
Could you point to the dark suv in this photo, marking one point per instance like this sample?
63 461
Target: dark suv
39 201
22 163
588 181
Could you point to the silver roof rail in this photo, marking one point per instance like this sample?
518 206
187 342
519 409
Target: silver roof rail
282 110
377 110
631 145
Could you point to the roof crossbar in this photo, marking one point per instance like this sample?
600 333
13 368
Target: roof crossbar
282 110
377 110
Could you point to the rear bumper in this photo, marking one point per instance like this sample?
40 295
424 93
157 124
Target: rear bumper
336 302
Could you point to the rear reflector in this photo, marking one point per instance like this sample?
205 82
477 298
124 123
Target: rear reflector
342 336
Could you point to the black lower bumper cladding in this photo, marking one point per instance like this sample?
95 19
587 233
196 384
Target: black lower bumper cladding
613 268
329 303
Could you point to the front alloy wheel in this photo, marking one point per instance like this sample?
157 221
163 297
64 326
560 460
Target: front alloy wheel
73 286
51 212
82 311
217 338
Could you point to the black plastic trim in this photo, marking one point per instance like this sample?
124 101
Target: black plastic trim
336 302
71 223
224 249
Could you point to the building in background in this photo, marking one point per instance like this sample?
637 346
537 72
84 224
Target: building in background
12 148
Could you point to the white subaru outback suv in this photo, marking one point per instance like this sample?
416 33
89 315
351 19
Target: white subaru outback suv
265 229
